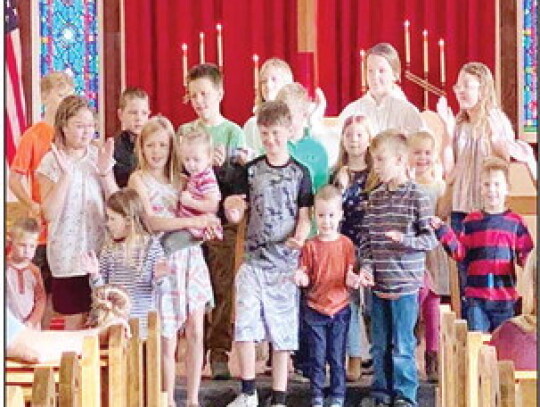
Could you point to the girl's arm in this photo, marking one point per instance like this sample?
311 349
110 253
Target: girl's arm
104 166
209 203
447 116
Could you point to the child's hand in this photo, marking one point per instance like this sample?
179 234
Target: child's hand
294 243
352 280
447 116
395 236
105 160
319 107
366 279
301 279
234 206
219 156
212 227
162 268
436 222
242 155
89 263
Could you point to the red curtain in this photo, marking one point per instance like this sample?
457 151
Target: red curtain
155 30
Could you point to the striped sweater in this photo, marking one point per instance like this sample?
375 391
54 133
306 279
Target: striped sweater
397 268
489 246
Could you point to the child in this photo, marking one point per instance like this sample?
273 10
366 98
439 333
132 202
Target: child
131 258
381 104
481 129
355 178
423 159
34 143
186 294
326 270
205 90
491 241
111 305
201 192
25 294
397 221
280 195
75 179
133 112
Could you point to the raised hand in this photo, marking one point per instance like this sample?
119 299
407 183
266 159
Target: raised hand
435 222
352 280
301 279
89 263
219 156
105 160
394 235
446 115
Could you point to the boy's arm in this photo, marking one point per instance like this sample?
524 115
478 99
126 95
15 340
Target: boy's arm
524 244
425 239
16 186
450 242
40 300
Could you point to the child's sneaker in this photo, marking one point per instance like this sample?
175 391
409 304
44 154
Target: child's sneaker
245 400
432 366
402 403
371 402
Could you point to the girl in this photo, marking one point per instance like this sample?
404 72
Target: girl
74 181
384 103
481 129
201 193
111 305
423 155
186 294
353 178
131 257
273 75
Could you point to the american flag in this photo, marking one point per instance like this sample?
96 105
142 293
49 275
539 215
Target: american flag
15 115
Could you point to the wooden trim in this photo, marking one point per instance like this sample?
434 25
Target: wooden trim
122 45
101 69
497 73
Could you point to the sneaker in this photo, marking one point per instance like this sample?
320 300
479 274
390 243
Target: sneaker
367 367
220 371
298 377
245 400
317 402
335 402
402 403
432 366
371 402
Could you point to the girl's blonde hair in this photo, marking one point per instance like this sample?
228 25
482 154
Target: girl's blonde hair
109 302
389 53
275 63
198 136
173 167
69 107
343 157
127 203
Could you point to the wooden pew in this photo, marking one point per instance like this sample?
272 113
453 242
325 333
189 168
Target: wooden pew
14 396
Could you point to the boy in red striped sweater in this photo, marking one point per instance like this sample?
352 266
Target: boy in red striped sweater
492 241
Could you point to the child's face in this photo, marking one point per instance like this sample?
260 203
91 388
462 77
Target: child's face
421 156
79 129
134 115
387 164
380 76
23 247
493 189
272 80
467 90
328 214
205 98
156 149
274 138
117 224
298 119
196 157
355 140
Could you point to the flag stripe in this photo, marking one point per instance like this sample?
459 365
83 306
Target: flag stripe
13 64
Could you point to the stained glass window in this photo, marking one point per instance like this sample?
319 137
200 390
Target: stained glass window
530 53
69 43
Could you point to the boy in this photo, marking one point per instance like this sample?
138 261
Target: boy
326 270
491 241
205 90
35 142
280 194
397 218
25 293
133 112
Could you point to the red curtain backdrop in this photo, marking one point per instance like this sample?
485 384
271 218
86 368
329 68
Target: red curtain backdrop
155 30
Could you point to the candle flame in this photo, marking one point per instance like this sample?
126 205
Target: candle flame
362 53
441 42
201 35
406 23
255 58
218 27
184 47
424 33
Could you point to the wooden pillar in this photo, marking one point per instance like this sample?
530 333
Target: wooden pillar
307 32
112 76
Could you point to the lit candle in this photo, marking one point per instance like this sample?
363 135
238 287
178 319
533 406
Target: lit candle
426 64
184 63
407 43
443 67
219 46
201 48
362 67
255 71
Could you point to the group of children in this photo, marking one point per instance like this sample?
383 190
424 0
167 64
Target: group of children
359 238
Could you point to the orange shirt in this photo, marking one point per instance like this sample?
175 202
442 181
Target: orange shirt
35 142
326 264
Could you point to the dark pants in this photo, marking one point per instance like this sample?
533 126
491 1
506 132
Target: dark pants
327 338
218 323
456 223
485 315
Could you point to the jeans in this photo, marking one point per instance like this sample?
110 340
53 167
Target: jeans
485 315
327 337
394 345
456 223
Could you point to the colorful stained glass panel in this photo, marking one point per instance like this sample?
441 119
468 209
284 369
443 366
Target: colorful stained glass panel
530 54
